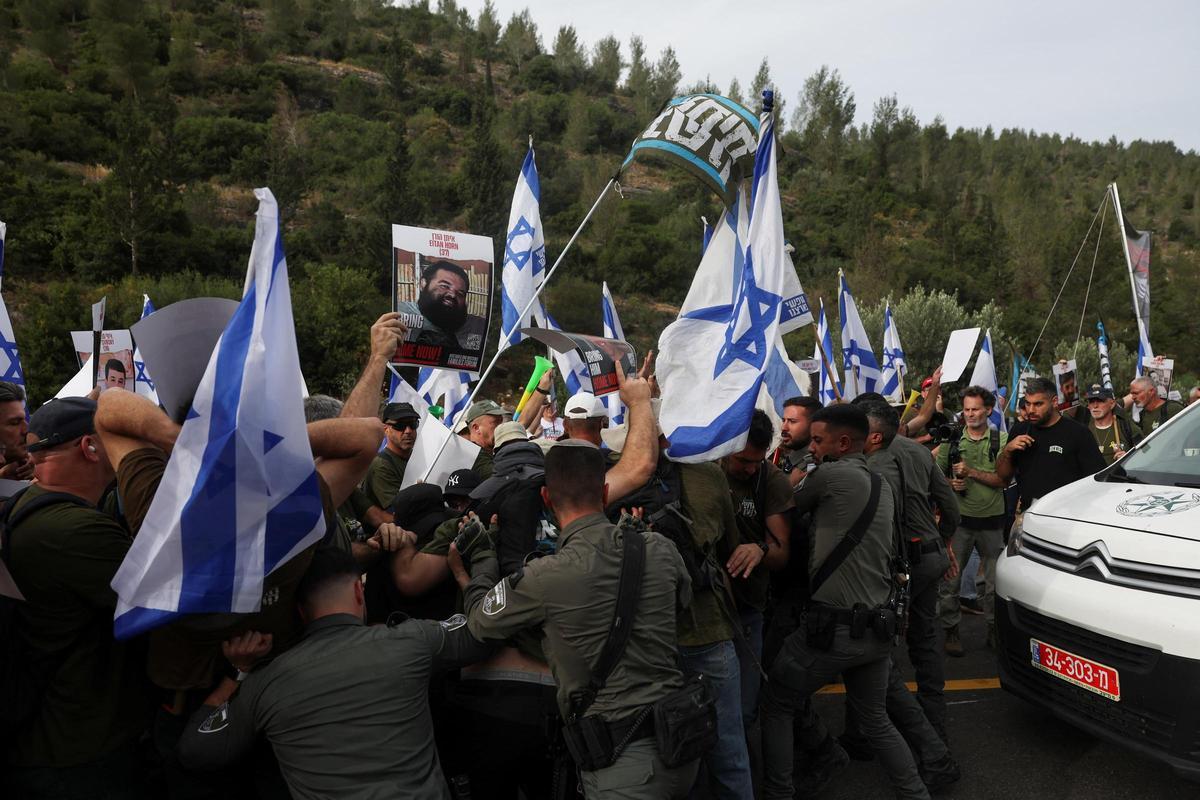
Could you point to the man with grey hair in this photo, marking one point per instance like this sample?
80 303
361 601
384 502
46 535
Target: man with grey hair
1194 395
1155 410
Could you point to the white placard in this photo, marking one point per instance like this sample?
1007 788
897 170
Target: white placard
959 350
459 453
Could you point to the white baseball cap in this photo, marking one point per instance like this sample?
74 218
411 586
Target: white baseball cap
584 405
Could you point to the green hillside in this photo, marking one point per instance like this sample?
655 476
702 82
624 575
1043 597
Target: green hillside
133 132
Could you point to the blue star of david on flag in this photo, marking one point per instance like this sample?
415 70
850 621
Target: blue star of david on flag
524 232
746 337
12 371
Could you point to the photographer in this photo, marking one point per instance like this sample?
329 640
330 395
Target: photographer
969 460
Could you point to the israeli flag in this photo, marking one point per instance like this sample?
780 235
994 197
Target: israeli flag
524 257
894 367
574 372
713 358
985 376
858 359
1105 363
705 235
451 389
1145 351
240 494
10 359
142 382
400 391
612 330
827 393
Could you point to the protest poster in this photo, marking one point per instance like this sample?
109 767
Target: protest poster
442 288
1159 370
959 348
115 365
599 354
1065 382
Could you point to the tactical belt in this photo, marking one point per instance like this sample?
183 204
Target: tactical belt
630 729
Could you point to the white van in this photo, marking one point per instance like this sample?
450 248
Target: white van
1098 600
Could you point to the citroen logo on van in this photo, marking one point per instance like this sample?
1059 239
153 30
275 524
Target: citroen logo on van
1159 504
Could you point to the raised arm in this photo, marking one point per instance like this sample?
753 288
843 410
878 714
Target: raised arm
533 409
386 335
640 455
126 421
343 449
927 408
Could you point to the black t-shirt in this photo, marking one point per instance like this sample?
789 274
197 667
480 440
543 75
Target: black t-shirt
1060 454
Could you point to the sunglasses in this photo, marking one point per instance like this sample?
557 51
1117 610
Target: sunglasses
403 425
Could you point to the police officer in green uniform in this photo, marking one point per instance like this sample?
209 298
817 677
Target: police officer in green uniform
848 629
571 596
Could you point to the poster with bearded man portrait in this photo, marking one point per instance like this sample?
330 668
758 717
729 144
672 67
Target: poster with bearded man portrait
443 293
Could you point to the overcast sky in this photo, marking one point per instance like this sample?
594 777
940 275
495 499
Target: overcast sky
1093 68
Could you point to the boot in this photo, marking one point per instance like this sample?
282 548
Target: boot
823 764
954 645
991 636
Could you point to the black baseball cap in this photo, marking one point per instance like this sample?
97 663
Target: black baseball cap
60 421
461 483
394 412
1098 392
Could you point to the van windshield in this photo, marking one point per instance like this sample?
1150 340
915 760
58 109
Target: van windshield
1171 458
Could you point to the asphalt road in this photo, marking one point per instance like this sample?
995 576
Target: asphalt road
1008 748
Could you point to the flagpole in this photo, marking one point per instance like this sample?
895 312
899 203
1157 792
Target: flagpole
829 369
1143 332
506 340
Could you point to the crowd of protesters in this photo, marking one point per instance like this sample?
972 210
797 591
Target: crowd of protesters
476 638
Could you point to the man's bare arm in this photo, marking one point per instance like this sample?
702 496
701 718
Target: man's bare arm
779 537
922 417
640 455
343 449
533 409
126 421
386 335
415 573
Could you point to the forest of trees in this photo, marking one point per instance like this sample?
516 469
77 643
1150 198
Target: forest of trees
133 132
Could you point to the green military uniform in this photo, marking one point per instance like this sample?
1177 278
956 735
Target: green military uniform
347 709
1149 421
97 702
800 459
384 477
981 527
571 596
834 494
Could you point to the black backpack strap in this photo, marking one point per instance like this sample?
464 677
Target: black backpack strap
629 590
851 540
994 445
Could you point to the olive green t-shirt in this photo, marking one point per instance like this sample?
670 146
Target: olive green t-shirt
978 500
771 488
384 477
706 502
483 464
1150 420
63 558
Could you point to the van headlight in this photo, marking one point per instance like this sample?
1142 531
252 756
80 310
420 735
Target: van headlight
1015 537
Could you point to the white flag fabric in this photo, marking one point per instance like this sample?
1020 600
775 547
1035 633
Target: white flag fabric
81 383
713 358
612 330
894 367
858 359
10 359
524 257
436 453
240 495
984 375
143 384
826 392
445 387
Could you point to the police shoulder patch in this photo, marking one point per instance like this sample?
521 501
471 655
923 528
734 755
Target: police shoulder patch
454 623
496 599
218 720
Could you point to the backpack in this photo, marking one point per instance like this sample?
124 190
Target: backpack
661 501
21 684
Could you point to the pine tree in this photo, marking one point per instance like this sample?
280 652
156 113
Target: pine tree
607 63
484 180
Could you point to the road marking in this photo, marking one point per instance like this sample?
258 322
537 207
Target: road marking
964 685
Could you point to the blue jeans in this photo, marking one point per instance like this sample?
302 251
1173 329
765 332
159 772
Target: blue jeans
967 578
728 763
